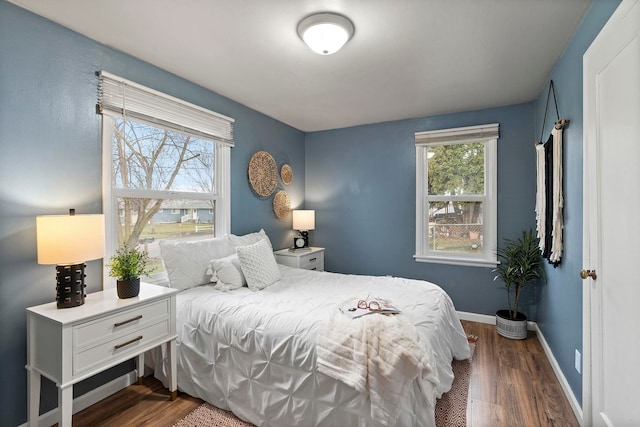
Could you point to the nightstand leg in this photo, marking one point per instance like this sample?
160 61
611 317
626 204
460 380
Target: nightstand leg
173 374
34 397
140 367
65 405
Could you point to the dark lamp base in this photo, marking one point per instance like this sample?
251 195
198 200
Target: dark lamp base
70 285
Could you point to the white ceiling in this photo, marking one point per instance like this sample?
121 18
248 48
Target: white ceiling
407 58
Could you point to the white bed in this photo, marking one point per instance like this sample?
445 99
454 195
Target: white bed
254 352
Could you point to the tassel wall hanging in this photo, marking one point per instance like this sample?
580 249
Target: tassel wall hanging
549 195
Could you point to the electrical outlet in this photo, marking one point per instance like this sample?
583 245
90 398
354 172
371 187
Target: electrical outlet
578 361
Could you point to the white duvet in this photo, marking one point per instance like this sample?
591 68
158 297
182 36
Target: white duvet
254 353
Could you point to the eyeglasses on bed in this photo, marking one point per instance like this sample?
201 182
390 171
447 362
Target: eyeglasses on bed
372 305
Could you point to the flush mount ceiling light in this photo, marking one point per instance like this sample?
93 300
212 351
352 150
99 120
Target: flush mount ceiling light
325 33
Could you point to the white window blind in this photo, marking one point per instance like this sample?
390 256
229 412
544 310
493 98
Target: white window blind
458 135
126 98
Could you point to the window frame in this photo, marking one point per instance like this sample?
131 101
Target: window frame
221 194
488 134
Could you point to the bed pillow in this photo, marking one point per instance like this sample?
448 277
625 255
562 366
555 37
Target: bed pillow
187 262
247 239
258 264
227 273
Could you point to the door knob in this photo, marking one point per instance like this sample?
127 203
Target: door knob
588 273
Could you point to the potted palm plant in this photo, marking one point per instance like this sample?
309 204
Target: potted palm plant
520 263
127 265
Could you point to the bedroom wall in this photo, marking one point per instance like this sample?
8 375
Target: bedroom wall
560 309
361 182
50 160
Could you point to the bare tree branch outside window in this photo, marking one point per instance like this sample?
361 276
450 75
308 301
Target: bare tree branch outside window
146 157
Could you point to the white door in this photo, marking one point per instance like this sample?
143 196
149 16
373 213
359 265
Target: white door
611 376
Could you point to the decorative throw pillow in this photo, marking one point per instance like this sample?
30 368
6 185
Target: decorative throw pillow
187 262
247 239
258 265
227 273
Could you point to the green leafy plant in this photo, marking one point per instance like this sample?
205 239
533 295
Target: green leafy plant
128 264
520 264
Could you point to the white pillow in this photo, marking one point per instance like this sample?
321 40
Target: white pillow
227 273
247 239
258 265
187 262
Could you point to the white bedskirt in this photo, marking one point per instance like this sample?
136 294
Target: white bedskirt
254 352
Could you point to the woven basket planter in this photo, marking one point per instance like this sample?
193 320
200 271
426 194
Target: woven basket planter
508 328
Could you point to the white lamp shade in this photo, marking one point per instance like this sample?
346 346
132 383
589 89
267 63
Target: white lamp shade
325 33
304 220
69 239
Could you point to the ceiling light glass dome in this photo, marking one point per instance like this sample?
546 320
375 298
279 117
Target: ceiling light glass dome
325 33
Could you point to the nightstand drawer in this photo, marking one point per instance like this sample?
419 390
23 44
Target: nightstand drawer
93 333
119 345
312 261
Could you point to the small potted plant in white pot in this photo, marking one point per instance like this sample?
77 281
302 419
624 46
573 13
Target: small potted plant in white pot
127 265
520 263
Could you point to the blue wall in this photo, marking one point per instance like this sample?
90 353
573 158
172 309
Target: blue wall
560 309
50 160
361 182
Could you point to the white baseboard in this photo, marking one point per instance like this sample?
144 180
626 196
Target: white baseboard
474 317
575 406
488 319
89 398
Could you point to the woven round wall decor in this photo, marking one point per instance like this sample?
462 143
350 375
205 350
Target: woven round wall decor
281 204
263 173
286 173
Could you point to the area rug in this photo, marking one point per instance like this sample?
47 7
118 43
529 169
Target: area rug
451 409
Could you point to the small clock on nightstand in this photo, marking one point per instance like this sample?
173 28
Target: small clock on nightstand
299 242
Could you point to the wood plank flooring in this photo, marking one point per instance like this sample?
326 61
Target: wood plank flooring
512 385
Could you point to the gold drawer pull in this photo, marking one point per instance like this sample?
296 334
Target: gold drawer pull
313 259
138 338
138 317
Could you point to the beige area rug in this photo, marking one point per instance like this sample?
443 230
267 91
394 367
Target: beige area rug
451 409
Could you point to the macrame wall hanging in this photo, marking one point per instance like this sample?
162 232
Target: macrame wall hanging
549 196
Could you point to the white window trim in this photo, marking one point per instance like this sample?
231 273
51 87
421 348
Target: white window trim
489 135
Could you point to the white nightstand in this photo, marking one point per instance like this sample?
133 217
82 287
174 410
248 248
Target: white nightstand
309 260
71 344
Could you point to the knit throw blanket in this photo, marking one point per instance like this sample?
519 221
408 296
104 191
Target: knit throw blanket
376 354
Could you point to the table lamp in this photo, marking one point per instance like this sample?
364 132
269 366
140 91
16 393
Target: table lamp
303 221
68 241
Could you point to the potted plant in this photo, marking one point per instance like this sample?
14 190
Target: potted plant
520 263
127 265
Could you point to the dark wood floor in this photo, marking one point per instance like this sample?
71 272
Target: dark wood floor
512 385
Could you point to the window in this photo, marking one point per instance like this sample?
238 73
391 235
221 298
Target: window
166 169
456 209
